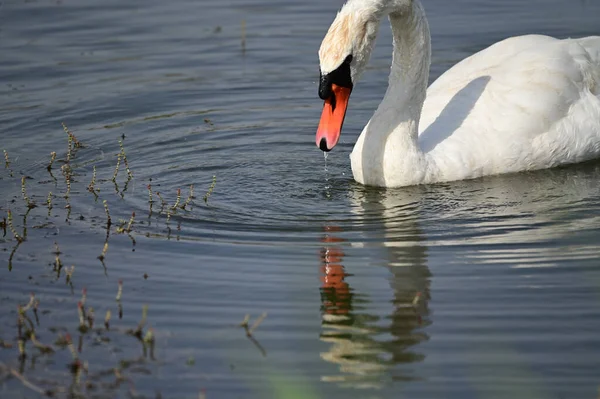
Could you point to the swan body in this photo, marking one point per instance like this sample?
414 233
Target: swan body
525 103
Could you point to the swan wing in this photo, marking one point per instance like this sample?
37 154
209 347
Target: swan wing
527 102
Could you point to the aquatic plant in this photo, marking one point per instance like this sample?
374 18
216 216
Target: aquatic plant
150 199
3 226
67 173
120 291
69 143
126 226
12 227
163 204
114 178
122 153
130 223
250 329
57 262
12 255
210 189
102 255
69 276
73 142
246 326
49 202
107 211
189 198
138 330
52 159
92 186
84 382
7 163
28 201
149 342
177 200
30 343
107 319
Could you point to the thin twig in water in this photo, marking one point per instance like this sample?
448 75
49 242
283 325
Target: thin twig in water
138 331
12 227
67 172
177 200
130 224
41 347
21 346
57 262
52 159
30 303
189 198
163 204
7 163
108 219
69 143
29 384
28 202
114 178
102 256
119 291
245 324
122 229
83 296
3 226
81 314
256 323
148 341
107 319
69 276
129 174
76 143
12 255
150 199
210 189
90 317
92 186
49 202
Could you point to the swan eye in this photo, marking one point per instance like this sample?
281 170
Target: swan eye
341 76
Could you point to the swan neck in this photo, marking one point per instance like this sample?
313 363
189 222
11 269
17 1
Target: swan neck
387 152
410 64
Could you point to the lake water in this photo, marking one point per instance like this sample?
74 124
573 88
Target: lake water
476 289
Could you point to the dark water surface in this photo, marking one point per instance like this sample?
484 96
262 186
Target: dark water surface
477 289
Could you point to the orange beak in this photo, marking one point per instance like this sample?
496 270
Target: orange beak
332 118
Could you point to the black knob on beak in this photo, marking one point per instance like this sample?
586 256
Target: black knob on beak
323 145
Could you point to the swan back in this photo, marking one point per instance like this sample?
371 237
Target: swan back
525 103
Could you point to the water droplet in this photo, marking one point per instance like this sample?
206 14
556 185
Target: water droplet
327 186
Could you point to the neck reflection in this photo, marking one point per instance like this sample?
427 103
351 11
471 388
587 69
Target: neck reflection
374 341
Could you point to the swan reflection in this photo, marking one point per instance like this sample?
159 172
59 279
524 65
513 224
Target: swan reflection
370 348
377 261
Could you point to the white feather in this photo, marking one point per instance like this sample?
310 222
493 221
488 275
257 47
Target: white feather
525 103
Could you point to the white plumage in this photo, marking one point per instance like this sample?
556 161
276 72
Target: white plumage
525 103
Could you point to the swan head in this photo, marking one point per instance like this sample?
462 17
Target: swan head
343 56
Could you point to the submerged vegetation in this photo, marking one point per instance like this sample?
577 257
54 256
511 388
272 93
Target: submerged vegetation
34 338
85 376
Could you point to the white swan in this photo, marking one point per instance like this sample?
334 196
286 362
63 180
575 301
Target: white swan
525 103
